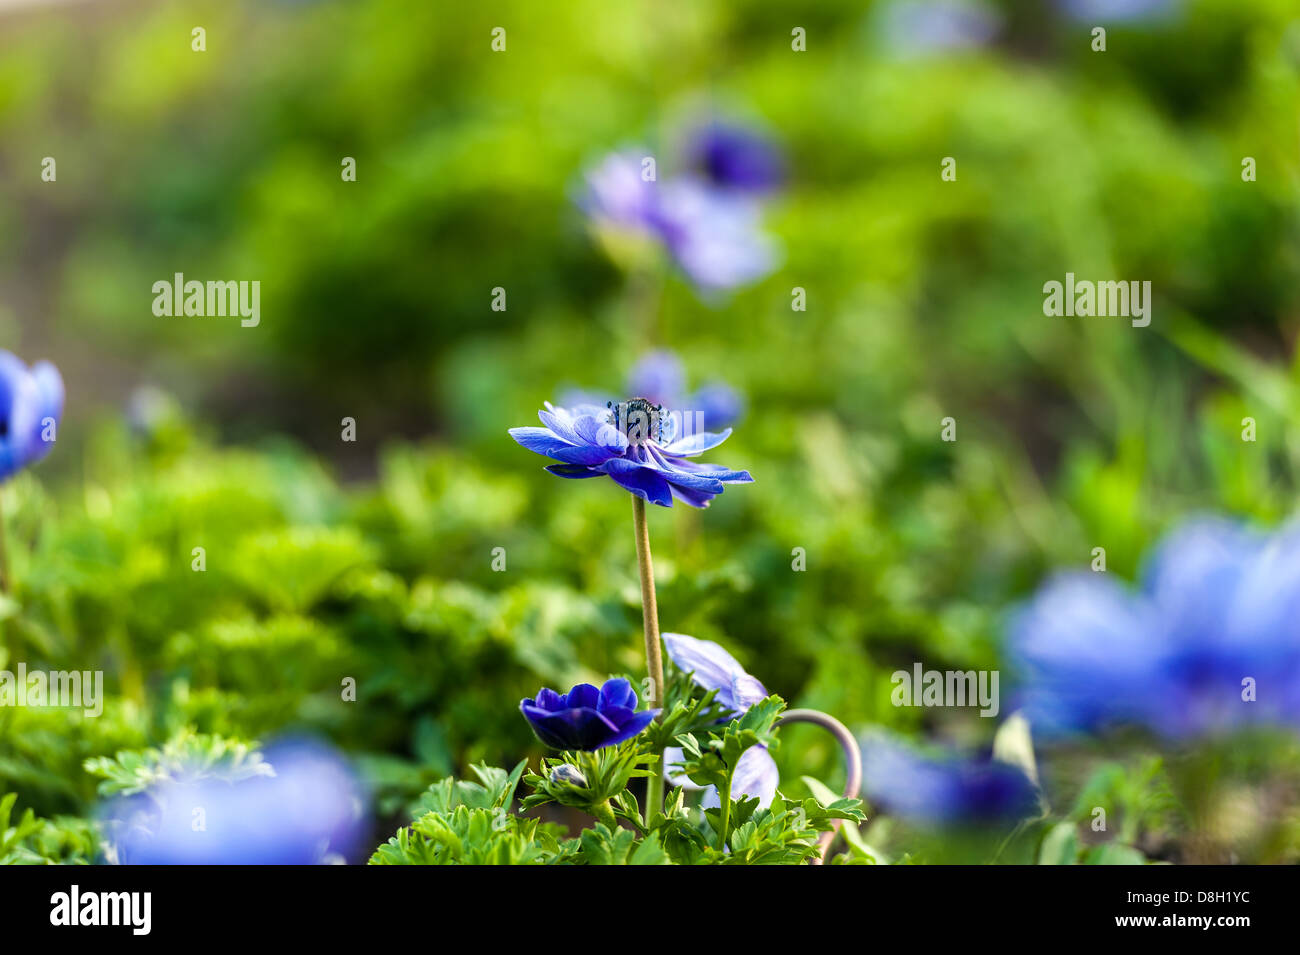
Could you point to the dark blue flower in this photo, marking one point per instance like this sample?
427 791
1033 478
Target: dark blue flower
944 791
31 406
1213 623
586 718
734 157
642 447
713 668
304 808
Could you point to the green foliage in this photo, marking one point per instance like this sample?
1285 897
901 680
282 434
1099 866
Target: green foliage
469 823
372 561
34 841
186 757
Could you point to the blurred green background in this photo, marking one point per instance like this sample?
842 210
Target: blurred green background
373 559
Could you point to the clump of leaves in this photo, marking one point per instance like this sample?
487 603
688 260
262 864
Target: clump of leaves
65 840
187 756
468 823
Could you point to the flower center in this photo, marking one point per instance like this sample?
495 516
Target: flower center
637 418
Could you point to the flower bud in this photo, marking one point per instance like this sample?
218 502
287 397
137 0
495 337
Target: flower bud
568 773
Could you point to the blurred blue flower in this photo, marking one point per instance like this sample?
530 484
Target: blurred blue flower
917 27
1216 613
616 195
660 377
641 446
709 220
1132 11
310 811
714 236
734 157
713 668
586 718
31 407
943 791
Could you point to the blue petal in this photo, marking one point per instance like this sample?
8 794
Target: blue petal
584 694
756 776
632 727
572 471
540 441
713 668
600 434
617 692
642 481
696 443
692 497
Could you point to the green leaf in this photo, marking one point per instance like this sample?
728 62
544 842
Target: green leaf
1113 853
1060 845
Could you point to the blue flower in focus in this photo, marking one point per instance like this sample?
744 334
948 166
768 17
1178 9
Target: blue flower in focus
31 406
733 157
713 668
307 808
1215 615
586 718
944 791
639 445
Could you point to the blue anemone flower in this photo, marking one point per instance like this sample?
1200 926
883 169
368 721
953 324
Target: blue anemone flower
714 235
713 668
1120 11
641 446
303 807
915 28
946 790
1207 643
735 157
586 718
31 406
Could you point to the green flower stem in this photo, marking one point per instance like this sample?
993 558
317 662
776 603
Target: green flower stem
852 758
603 813
654 657
724 797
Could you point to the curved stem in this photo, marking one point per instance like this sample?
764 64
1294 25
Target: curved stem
654 657
852 757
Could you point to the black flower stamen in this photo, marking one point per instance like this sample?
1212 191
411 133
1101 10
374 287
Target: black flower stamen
638 418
